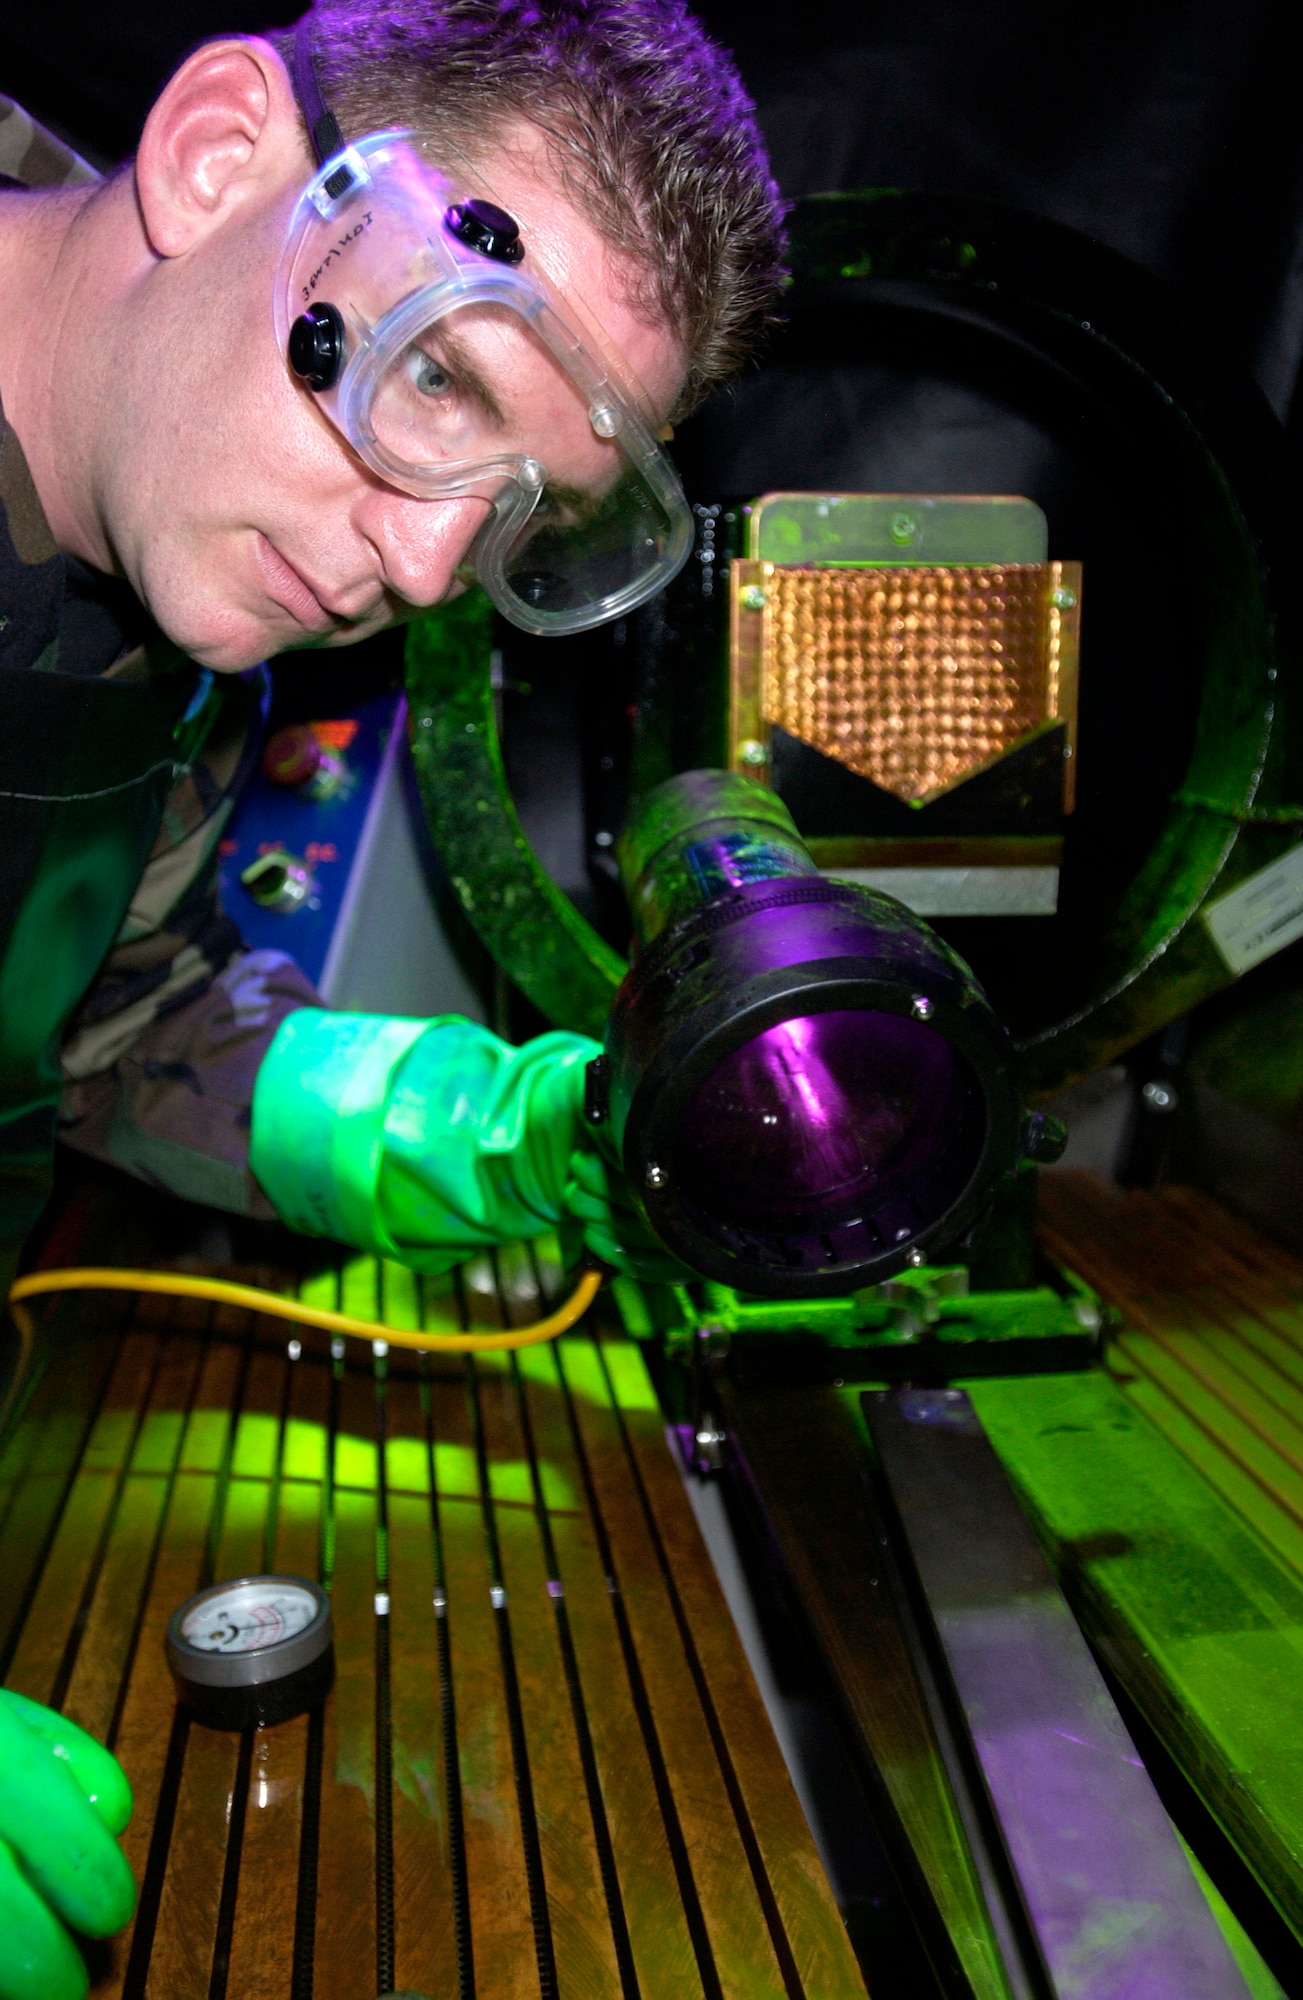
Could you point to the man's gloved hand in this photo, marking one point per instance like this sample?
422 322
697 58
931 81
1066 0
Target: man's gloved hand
430 1140
63 1799
602 1217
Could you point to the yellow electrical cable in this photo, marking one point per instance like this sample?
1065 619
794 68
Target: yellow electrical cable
174 1284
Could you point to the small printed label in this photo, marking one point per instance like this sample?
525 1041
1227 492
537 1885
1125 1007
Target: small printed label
1262 916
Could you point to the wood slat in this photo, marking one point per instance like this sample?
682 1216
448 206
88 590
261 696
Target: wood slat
665 1964
262 1940
502 1939
803 1920
424 1913
581 1931
346 1905
187 1930
740 1957
143 1733
126 1430
42 1453
180 1964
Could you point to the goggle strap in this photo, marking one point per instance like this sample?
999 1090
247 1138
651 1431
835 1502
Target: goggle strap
322 124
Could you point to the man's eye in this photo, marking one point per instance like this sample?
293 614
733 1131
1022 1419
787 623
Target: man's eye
430 377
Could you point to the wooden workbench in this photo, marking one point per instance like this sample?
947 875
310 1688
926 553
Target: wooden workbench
544 1768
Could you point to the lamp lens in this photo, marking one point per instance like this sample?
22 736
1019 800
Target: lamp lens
829 1134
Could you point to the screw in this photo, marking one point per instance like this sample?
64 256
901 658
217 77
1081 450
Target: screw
754 598
921 1007
1158 1097
655 1177
903 528
604 839
1063 599
916 1257
752 752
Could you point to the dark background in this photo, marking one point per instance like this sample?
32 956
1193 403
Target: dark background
1172 130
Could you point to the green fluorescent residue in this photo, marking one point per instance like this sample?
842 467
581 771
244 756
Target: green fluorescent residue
583 1370
455 1470
559 1493
359 1288
629 1377
1198 1616
321 1290
1109 1925
156 1445
538 1364
632 1308
375 1289
245 1510
205 1440
355 1462
1261 1982
509 1481
402 1295
304 1451
109 1441
256 1441
533 931
406 1466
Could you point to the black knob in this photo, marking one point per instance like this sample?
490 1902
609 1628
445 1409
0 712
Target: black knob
486 228
316 346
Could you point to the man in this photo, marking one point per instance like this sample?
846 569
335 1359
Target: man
404 297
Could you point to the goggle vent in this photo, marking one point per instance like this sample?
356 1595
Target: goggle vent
482 226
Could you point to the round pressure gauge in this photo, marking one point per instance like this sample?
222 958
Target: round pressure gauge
253 1652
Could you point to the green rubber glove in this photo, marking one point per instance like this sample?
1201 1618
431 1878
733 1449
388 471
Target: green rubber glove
427 1141
63 1798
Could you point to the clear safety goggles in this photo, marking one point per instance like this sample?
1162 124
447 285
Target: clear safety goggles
411 310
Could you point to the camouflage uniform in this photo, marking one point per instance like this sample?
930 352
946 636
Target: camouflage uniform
132 1019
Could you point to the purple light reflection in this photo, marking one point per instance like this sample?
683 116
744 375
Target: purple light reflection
827 1117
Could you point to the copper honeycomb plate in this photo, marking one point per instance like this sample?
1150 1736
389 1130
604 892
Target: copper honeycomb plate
914 677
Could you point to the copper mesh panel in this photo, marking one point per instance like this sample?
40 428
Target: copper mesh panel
914 678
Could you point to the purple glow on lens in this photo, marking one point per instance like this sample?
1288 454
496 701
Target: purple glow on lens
827 1118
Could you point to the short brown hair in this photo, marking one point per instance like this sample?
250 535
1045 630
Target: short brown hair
647 119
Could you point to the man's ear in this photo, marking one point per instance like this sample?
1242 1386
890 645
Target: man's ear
224 130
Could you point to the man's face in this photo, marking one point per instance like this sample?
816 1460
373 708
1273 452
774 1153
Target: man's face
232 505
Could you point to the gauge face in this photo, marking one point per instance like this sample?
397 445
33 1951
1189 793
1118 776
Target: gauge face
262 1611
250 1632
